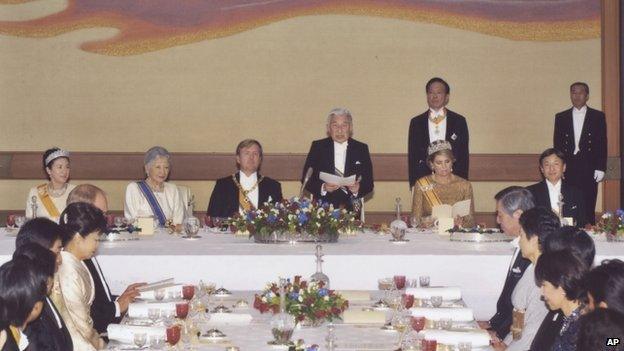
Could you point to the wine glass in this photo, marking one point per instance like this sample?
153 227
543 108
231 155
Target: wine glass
173 335
140 339
191 226
159 294
188 291
119 221
464 346
399 282
417 323
182 310
153 314
156 342
429 345
19 221
407 300
436 301
424 281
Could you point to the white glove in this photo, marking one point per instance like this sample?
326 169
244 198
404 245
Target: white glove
598 176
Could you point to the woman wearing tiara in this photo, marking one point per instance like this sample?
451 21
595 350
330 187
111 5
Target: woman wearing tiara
48 199
154 196
441 187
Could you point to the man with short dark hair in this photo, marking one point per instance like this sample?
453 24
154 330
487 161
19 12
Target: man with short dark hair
437 123
246 189
581 134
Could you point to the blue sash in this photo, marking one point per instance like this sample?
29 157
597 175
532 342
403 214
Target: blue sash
151 199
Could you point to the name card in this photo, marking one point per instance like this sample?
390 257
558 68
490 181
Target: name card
146 224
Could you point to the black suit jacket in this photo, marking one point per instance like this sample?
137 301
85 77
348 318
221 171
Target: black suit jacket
224 198
573 204
548 331
321 159
593 142
45 334
501 321
418 141
103 309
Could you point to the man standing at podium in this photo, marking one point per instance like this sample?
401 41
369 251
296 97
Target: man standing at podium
339 154
437 123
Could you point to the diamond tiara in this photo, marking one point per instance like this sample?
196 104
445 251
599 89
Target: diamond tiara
56 154
438 145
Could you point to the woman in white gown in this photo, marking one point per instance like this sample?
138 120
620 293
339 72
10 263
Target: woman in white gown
154 196
48 199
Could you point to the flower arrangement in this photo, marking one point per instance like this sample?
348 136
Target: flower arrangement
296 215
611 223
306 301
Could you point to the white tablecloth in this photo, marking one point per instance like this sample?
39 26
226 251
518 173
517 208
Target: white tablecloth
356 263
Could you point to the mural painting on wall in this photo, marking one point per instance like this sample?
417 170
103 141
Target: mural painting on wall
150 25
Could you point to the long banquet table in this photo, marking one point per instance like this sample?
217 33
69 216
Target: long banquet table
354 263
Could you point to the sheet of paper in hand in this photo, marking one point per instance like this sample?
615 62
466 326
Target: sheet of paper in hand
338 180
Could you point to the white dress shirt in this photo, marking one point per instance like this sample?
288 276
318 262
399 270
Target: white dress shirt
578 118
23 342
340 155
247 183
515 243
554 191
101 275
440 127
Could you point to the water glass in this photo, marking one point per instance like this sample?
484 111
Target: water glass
156 342
191 226
436 301
19 221
140 339
464 346
424 281
153 314
159 294
119 221
446 323
414 221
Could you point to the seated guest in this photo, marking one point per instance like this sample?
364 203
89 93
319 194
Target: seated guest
605 284
341 155
246 189
49 198
560 276
49 331
23 288
511 202
598 327
106 307
554 192
442 186
81 223
578 242
154 196
536 225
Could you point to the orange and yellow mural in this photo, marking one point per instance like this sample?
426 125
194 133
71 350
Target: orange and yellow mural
150 25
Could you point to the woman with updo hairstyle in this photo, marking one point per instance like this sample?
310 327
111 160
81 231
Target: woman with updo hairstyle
605 285
561 277
154 196
49 199
23 288
82 223
441 187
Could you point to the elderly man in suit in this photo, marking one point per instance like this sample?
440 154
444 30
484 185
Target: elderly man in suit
437 123
511 202
581 134
339 154
246 189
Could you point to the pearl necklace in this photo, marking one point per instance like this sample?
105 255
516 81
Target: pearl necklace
56 192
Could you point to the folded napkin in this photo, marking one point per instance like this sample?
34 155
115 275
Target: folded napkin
230 319
148 294
140 309
447 292
125 333
478 337
355 295
435 314
363 317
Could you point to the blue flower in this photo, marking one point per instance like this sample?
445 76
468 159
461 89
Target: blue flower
335 214
305 203
302 217
323 292
250 216
271 218
619 213
293 295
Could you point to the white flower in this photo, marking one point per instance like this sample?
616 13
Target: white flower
300 298
326 298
